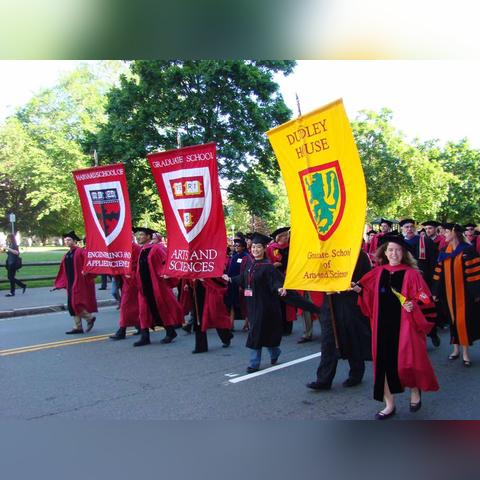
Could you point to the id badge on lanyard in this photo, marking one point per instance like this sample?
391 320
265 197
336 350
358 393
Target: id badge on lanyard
248 292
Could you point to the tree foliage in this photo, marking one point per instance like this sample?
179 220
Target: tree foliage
402 179
43 143
231 103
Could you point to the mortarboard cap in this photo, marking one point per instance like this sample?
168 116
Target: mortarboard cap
280 230
405 221
147 231
71 234
398 239
261 238
388 222
249 235
239 235
430 223
240 241
471 225
453 226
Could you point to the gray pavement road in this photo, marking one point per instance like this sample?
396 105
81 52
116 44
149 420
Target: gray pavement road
46 374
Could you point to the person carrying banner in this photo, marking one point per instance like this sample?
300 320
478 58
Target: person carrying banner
391 296
157 303
345 334
129 311
457 283
262 283
206 300
80 287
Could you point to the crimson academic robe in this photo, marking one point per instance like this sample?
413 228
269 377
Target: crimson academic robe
166 304
129 311
215 313
414 367
82 292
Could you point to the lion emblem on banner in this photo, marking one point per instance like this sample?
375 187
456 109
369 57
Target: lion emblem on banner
324 193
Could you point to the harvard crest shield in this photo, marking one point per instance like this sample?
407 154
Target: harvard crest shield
190 195
107 206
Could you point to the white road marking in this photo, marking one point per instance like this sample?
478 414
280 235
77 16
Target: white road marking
232 375
275 367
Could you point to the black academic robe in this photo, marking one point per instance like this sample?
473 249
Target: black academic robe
263 306
352 328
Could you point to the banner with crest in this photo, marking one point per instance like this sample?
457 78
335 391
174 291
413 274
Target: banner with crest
106 212
187 182
327 194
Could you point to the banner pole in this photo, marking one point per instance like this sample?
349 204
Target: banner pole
298 105
194 287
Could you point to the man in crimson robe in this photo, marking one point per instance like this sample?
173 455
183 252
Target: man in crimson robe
425 253
157 303
80 287
385 229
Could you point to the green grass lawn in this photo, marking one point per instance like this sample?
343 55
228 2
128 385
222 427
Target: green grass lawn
34 254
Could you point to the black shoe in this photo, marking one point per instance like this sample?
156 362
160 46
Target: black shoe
435 340
74 331
168 339
10 295
318 386
187 328
90 324
415 407
144 339
101 288
467 363
252 369
120 334
351 382
304 340
226 344
453 356
384 416
24 288
199 351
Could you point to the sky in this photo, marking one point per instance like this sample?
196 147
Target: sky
429 99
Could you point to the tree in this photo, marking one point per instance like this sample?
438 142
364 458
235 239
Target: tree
402 180
229 102
44 142
463 164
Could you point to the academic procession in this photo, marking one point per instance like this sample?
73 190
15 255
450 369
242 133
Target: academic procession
382 295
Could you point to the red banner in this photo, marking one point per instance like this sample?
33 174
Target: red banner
187 182
106 213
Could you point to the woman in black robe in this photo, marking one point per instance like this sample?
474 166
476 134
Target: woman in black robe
262 283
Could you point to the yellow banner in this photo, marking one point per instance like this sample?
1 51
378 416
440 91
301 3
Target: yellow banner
326 189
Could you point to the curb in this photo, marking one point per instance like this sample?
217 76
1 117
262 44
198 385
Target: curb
21 312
